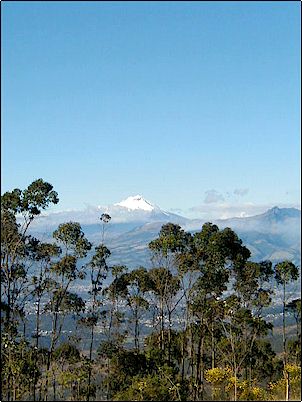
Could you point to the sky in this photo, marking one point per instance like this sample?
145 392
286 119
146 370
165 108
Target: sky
194 105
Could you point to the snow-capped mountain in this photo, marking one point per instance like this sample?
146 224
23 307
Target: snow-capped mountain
136 209
125 215
136 202
273 235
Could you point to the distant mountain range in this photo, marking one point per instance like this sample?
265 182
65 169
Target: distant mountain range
273 235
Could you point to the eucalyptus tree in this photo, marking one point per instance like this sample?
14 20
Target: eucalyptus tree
16 244
18 210
249 282
137 285
112 318
165 287
167 251
253 287
215 253
241 331
98 273
294 308
41 285
18 369
285 272
42 282
73 246
115 293
242 323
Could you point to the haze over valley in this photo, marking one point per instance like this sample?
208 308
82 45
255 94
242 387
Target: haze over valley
273 235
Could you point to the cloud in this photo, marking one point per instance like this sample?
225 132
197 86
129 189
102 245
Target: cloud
225 210
241 191
176 210
213 196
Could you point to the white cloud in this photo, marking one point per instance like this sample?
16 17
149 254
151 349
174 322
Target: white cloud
225 210
213 196
241 191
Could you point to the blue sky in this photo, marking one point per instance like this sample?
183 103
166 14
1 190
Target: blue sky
191 104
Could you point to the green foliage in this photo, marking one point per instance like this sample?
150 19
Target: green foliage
294 307
262 359
18 249
18 367
163 282
67 352
285 272
160 357
219 350
72 237
108 349
153 387
37 196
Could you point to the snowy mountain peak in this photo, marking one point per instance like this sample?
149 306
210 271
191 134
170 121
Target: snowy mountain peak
136 202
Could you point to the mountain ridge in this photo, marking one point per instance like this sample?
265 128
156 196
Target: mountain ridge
275 234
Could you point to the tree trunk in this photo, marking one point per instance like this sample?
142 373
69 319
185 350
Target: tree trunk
169 337
283 322
9 333
37 347
284 346
108 372
183 357
192 355
50 352
235 383
136 331
213 346
287 391
90 360
199 367
162 325
54 386
201 372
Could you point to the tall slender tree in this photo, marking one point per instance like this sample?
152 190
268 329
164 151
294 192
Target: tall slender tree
17 250
285 272
74 246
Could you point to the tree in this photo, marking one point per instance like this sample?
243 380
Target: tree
294 346
17 249
253 288
241 330
98 273
18 368
294 307
285 272
167 250
15 243
165 287
136 284
74 246
41 284
112 317
214 253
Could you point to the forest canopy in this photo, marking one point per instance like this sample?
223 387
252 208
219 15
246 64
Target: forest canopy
205 299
